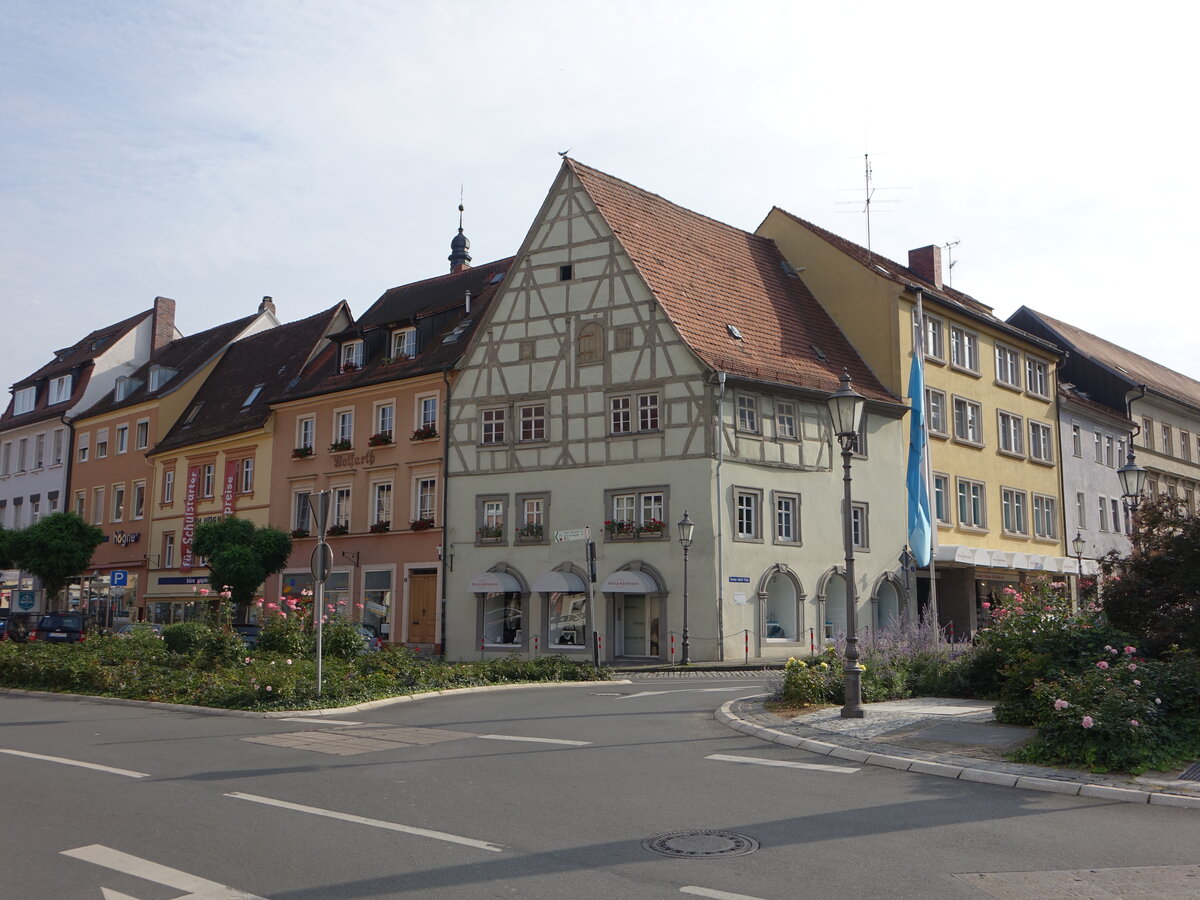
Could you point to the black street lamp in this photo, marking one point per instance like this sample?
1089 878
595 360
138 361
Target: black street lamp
686 530
1078 545
1133 479
846 409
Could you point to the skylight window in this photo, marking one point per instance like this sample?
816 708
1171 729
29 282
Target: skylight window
252 396
734 332
497 278
817 350
195 411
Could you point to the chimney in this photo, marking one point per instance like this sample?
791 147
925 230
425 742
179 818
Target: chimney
164 323
267 305
926 263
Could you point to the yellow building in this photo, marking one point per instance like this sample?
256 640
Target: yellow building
215 459
990 406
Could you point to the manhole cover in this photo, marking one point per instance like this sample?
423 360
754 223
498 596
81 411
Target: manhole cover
701 844
1191 773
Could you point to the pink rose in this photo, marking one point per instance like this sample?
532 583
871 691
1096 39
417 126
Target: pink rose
1061 704
986 605
1133 667
1102 665
1138 683
1131 650
1087 722
1133 722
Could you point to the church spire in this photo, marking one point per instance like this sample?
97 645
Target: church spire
459 245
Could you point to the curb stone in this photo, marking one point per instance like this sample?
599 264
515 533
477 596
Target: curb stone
1005 774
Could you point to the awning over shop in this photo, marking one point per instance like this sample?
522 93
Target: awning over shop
559 582
495 583
630 582
1003 559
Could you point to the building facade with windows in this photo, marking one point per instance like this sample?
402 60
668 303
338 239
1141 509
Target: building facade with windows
36 435
642 361
215 459
365 421
1158 406
990 407
114 482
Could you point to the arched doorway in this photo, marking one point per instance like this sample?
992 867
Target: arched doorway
833 593
781 599
889 611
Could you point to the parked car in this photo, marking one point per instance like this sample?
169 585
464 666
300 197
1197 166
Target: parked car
18 627
65 628
249 634
140 628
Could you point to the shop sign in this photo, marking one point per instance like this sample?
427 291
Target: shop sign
183 579
26 599
350 460
125 538
189 519
231 468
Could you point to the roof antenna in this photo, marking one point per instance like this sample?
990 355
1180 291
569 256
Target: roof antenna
949 248
869 198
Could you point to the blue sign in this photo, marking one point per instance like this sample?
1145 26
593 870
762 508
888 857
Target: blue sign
739 579
26 599
119 578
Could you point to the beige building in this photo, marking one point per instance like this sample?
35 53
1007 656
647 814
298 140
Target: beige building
989 404
642 361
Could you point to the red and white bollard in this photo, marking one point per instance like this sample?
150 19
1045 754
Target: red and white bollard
672 648
746 635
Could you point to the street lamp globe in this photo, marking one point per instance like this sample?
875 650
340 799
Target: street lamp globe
1079 544
686 529
1133 477
846 409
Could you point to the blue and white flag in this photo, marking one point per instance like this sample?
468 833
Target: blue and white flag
919 528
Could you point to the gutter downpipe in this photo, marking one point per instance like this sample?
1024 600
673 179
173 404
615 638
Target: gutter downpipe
445 505
720 530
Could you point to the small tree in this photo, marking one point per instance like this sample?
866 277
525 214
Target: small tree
1154 592
241 556
55 549
7 560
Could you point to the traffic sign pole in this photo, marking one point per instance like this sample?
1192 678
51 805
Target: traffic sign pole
322 561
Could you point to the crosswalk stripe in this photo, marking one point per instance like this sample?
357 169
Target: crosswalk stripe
782 763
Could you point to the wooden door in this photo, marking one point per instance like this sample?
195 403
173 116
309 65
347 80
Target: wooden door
422 607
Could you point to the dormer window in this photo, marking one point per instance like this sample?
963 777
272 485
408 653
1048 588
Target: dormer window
352 356
191 416
126 386
404 343
160 375
60 389
23 400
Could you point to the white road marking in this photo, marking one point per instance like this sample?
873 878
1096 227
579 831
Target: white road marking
76 762
110 894
716 895
198 888
687 691
317 720
534 740
375 823
721 757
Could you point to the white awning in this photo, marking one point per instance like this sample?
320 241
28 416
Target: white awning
629 582
495 583
559 582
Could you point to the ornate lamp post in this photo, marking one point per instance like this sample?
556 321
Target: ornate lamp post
1133 479
1078 545
846 409
687 529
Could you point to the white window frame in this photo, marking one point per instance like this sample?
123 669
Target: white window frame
747 514
425 492
936 412
385 418
301 511
122 439
1076 441
971 420
933 336
1041 442
404 343
339 508
102 443
785 420
787 518
1045 517
493 426
381 502
207 478
24 400
82 446
306 432
60 390
532 422
351 353
620 415
748 420
971 497
137 509
941 499
246 475
1014 508
343 426
168 550
860 526
141 434
427 414
1008 366
964 349
39 450
1011 430
1037 377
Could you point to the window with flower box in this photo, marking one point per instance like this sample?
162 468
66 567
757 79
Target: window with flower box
531 527
635 513
351 359
381 506
404 344
491 515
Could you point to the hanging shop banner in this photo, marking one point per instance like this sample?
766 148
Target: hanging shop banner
231 467
189 519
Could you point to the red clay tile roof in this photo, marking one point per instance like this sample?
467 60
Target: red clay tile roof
708 276
76 359
436 306
886 268
271 358
1137 369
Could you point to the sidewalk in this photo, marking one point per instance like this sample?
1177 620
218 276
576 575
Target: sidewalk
947 738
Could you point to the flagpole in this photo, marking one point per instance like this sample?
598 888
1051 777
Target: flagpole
927 464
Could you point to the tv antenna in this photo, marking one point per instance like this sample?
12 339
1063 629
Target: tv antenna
869 196
949 248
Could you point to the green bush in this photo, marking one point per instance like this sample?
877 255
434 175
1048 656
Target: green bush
808 683
341 638
186 638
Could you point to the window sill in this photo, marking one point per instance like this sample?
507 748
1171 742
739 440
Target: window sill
936 360
973 373
1037 396
1048 463
1045 540
940 435
1011 454
747 540
973 529
1015 388
966 442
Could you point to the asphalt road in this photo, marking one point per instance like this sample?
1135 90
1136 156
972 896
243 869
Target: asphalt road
545 792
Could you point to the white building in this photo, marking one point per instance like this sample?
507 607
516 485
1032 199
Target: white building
640 361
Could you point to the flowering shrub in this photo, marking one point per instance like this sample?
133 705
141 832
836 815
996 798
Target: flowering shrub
380 439
425 433
1034 636
422 524
810 683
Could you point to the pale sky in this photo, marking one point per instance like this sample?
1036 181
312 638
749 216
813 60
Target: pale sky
215 151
